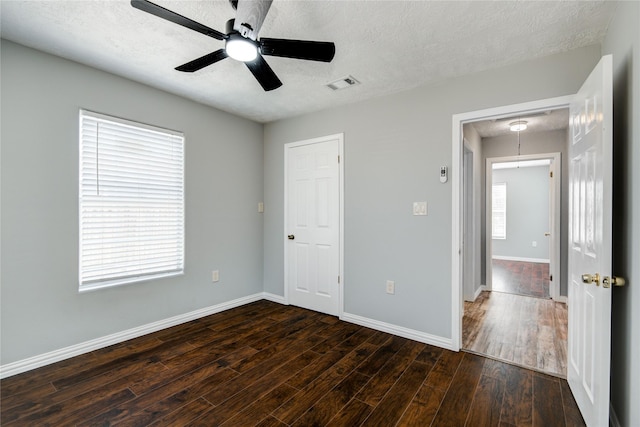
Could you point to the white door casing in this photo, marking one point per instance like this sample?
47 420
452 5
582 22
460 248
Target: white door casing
456 188
554 214
313 224
590 203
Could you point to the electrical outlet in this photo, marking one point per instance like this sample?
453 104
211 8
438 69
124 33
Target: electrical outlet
419 208
391 287
215 276
534 244
260 207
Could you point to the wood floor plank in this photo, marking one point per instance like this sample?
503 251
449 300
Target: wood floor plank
185 414
34 403
391 408
303 400
262 407
271 422
332 402
255 365
381 356
139 403
517 406
572 415
487 403
386 377
444 369
455 407
548 410
236 403
353 414
423 408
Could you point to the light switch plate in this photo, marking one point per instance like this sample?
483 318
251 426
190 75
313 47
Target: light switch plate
420 208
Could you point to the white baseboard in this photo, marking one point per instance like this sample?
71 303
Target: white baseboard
522 259
479 291
411 334
275 298
40 360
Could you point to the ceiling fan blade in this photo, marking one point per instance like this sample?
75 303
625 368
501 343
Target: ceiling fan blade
203 61
250 15
298 49
171 16
264 74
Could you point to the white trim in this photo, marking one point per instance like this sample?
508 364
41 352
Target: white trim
456 178
48 358
340 138
400 331
555 208
479 291
563 299
523 259
274 298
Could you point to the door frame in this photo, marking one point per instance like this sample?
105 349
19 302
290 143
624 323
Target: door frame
287 147
554 212
458 120
469 230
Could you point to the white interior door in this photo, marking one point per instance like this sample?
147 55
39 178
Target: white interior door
590 198
312 223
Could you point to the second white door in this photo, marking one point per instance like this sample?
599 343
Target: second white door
312 223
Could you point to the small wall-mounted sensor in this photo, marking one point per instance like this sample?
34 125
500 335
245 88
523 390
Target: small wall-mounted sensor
444 174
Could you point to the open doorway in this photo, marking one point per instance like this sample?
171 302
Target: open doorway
515 310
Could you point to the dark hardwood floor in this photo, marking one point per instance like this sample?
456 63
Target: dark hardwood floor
521 278
265 364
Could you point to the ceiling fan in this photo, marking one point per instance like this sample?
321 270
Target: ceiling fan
241 40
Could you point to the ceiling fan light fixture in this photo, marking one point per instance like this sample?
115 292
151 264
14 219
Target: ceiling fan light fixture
518 126
241 49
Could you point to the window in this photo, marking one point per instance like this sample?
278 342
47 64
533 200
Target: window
499 210
131 202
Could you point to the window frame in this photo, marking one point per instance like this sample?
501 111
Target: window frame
495 211
126 279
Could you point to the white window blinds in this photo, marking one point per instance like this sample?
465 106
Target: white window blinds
131 202
499 210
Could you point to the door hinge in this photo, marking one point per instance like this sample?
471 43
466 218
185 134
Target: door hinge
551 174
551 277
338 159
338 279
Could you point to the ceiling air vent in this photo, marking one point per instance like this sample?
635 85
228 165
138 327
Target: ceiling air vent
343 83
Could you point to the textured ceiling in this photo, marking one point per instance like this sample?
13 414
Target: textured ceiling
389 46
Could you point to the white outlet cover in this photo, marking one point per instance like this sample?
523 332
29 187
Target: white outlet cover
391 287
215 276
420 208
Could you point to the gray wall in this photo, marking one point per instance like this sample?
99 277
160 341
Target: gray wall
394 146
41 307
535 143
527 212
623 41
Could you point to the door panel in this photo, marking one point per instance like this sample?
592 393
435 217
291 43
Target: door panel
590 177
313 220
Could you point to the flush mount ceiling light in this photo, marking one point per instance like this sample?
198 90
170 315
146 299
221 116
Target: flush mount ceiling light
240 48
517 126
